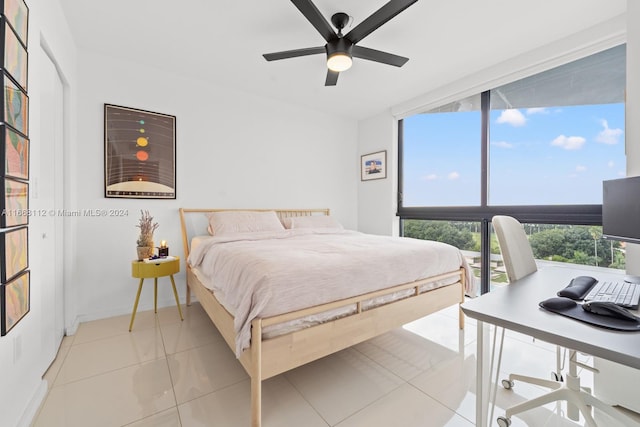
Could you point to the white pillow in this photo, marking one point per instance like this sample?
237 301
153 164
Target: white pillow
313 221
230 222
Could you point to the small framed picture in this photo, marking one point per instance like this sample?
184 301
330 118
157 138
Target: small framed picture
14 203
17 14
15 155
14 302
14 55
15 109
14 244
373 166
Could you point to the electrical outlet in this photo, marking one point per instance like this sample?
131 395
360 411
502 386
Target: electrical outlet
17 348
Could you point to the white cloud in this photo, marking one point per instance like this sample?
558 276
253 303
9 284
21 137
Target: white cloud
430 177
502 144
607 135
569 142
453 175
513 117
531 111
611 163
581 168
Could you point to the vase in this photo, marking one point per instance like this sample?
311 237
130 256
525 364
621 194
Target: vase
144 252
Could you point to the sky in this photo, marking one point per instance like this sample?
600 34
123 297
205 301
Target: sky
538 156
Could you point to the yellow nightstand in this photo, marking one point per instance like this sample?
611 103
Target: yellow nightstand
147 270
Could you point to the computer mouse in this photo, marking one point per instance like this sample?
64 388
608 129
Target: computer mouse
608 308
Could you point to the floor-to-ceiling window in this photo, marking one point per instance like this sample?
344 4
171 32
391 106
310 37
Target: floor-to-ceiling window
537 149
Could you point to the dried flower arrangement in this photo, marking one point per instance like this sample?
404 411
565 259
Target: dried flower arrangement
147 227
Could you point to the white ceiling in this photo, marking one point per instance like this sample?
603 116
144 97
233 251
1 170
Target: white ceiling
223 41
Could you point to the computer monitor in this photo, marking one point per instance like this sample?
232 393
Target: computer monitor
621 209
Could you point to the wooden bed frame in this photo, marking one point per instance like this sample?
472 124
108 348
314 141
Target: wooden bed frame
269 357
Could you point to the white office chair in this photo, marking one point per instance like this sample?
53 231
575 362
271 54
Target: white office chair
519 262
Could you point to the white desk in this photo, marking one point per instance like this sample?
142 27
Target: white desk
515 307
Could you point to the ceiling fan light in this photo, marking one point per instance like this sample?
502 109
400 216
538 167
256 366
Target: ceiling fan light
339 61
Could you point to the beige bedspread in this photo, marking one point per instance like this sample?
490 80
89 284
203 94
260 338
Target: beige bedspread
263 274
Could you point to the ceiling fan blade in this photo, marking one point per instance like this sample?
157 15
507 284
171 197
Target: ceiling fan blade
332 78
377 19
293 53
378 56
313 15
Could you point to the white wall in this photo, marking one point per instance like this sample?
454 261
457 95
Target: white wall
26 351
377 200
234 150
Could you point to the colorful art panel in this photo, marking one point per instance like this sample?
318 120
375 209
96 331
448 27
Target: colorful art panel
15 107
17 14
14 55
15 155
14 247
14 201
140 154
373 166
14 301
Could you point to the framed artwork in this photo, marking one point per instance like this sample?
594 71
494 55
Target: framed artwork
373 166
14 152
14 245
15 108
14 203
14 55
139 154
14 302
17 14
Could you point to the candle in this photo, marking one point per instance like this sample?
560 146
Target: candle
163 250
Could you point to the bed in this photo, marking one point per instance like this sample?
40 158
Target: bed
301 321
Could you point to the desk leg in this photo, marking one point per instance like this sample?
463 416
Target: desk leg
155 294
483 379
175 294
135 305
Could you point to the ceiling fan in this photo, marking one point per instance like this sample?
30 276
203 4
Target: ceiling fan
340 49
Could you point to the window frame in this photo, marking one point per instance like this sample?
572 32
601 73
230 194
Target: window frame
578 214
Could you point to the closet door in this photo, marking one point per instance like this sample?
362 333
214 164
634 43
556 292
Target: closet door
47 200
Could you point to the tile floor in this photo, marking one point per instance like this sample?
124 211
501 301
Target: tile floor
168 373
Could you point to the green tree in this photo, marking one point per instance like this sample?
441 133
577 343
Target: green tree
547 243
596 233
440 231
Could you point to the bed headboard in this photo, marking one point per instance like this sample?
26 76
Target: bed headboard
194 222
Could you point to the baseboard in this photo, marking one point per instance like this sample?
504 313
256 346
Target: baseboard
30 412
120 311
73 328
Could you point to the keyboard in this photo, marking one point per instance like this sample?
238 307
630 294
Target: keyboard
624 294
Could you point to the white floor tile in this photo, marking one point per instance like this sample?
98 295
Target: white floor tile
406 407
172 373
108 354
444 330
452 383
282 406
406 353
340 384
168 418
112 399
112 326
204 369
185 335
